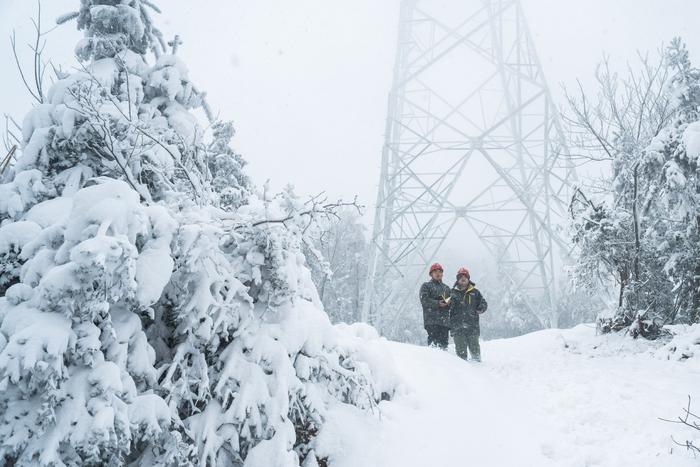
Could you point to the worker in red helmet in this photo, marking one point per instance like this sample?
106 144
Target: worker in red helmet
435 299
466 305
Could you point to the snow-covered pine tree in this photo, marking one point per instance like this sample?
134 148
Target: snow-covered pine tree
154 308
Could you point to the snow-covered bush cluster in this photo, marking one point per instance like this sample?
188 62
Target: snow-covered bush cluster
154 308
644 232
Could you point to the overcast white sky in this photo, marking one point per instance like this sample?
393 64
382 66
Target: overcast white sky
306 81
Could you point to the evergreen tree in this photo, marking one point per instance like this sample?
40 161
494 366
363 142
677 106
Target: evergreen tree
155 309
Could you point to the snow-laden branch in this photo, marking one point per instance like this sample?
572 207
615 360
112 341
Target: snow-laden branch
317 208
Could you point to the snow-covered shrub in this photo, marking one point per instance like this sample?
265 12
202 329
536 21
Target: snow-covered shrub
154 308
251 356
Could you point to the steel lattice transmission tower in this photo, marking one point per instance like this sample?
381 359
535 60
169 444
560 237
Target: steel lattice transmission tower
471 135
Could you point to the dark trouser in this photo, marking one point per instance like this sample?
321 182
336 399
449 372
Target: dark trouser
467 339
438 336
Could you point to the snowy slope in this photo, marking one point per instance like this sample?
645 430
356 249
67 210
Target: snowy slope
551 398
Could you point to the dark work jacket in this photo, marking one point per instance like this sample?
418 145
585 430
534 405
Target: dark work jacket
430 293
465 307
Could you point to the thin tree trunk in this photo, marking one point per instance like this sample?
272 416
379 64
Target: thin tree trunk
624 277
637 248
358 279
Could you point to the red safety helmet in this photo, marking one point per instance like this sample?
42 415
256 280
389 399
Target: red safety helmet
463 271
435 267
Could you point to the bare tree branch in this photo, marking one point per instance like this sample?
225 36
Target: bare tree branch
316 210
8 158
690 420
35 89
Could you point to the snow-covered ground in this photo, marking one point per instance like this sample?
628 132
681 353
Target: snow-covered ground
551 398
